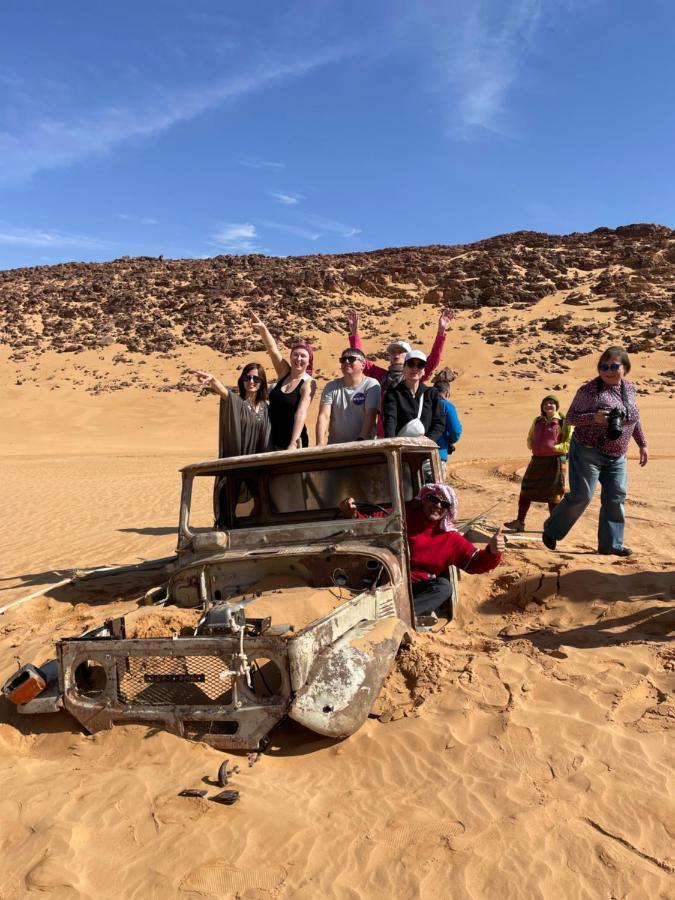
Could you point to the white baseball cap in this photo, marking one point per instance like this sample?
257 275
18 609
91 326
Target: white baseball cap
402 345
415 354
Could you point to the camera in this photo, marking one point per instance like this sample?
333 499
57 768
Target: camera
615 421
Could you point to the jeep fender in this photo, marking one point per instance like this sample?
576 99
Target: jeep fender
347 677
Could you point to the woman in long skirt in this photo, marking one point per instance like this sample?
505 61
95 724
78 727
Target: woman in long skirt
544 480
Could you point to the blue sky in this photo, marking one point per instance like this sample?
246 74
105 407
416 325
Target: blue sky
190 128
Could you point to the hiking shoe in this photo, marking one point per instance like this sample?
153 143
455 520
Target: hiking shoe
426 623
515 525
548 541
621 551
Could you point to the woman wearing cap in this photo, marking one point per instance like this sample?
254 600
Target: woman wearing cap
412 408
435 545
291 395
244 424
544 479
397 351
605 416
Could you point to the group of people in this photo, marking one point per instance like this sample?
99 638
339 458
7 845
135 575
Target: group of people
367 400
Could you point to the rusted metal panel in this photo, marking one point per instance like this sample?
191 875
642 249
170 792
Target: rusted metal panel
303 649
307 454
347 677
392 600
187 685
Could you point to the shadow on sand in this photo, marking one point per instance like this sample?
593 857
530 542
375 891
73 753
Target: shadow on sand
36 579
287 739
654 623
110 583
159 531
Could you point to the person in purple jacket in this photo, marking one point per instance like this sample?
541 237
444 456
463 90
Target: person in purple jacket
605 416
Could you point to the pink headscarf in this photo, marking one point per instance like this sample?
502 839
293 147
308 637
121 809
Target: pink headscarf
303 345
446 492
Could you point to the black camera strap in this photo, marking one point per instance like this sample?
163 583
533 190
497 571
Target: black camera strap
599 384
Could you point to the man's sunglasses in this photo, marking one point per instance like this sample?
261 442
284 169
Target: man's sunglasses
256 379
438 501
350 359
609 367
415 364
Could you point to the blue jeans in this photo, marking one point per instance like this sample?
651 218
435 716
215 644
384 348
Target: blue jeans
429 595
587 467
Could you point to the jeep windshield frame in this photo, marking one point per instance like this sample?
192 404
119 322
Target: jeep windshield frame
303 487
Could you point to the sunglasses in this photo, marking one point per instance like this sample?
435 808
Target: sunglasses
610 367
415 364
438 501
350 359
256 379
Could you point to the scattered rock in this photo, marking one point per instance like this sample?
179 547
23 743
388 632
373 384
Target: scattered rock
156 305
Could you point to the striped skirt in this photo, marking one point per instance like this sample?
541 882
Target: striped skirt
544 480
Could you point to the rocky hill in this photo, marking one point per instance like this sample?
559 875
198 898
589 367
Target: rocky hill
155 304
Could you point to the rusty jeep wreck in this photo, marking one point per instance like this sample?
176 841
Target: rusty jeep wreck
300 612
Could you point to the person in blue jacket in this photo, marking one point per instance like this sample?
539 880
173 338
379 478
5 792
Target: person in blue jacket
453 427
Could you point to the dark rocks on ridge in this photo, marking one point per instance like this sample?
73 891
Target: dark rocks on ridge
152 304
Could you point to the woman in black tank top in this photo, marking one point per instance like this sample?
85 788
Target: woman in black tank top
290 397
283 408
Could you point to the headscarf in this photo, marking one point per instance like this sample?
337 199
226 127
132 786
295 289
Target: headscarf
447 523
393 377
303 345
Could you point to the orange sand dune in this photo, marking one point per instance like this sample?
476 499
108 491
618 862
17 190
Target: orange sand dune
524 751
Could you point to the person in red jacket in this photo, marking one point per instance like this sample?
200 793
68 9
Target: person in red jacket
435 545
397 351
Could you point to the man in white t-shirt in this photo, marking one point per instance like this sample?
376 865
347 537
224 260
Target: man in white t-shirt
349 405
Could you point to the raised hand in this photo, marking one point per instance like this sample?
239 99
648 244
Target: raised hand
348 508
255 320
498 543
206 379
209 382
353 321
446 317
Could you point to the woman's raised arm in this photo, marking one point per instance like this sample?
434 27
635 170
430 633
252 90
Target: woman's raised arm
281 367
210 383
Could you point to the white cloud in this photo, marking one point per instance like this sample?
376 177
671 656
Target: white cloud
286 199
296 230
474 53
240 238
478 50
261 164
49 142
331 225
140 220
487 64
34 237
235 232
